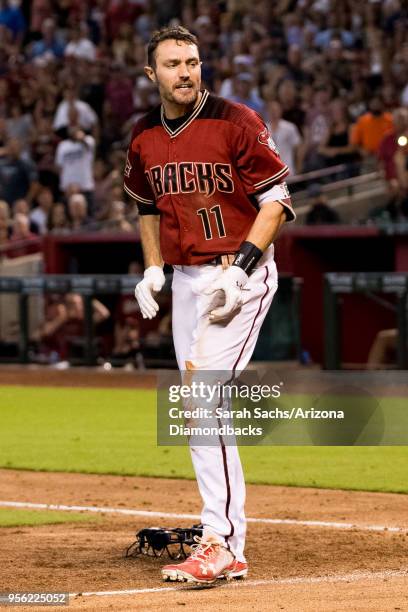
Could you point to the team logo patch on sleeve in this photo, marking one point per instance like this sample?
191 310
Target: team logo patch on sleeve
128 167
266 139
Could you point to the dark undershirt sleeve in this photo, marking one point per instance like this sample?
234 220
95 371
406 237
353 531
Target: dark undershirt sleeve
147 209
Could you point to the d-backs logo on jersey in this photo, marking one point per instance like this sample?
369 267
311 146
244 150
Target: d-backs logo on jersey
266 139
188 177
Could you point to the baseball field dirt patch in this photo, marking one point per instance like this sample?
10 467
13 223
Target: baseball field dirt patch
327 550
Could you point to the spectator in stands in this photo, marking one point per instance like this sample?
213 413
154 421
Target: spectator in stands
291 49
369 130
41 10
21 229
50 44
68 12
75 157
390 97
116 221
20 125
122 45
4 222
316 128
86 116
58 222
43 148
77 210
4 98
118 13
79 45
39 215
3 131
4 236
21 207
241 63
338 62
12 18
242 93
294 65
144 98
286 137
63 330
333 31
119 93
320 213
103 182
46 95
18 176
357 99
92 90
291 105
28 95
336 147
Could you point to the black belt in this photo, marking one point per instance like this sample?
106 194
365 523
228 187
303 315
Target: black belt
224 259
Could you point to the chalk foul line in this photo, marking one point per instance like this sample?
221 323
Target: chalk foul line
329 578
195 517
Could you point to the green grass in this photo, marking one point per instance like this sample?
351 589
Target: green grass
10 517
113 431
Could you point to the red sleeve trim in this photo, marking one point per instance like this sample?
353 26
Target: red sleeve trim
138 198
275 178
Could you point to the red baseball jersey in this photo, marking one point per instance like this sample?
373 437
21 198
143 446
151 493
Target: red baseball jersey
202 176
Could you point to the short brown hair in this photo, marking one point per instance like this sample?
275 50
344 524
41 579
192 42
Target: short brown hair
168 33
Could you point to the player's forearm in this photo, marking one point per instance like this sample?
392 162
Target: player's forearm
266 225
150 237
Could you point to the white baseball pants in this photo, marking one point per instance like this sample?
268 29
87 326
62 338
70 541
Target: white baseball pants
226 348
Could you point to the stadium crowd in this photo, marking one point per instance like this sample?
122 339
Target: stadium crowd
328 76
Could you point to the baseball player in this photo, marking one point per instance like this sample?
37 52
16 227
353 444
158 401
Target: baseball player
210 189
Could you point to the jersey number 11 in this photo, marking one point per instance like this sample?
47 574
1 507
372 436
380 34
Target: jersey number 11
219 221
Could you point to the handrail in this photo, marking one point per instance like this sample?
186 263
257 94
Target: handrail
352 181
20 244
323 172
348 184
316 174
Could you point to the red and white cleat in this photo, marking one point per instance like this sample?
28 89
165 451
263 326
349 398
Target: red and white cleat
237 569
207 562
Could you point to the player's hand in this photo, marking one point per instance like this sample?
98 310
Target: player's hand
231 283
153 280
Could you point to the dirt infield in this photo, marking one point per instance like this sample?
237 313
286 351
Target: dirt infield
297 566
298 379
292 566
76 377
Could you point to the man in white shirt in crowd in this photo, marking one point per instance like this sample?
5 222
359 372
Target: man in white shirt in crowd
75 158
79 46
87 118
286 137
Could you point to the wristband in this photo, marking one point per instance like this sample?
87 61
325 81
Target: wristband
247 257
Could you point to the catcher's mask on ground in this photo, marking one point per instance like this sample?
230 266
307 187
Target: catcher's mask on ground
154 541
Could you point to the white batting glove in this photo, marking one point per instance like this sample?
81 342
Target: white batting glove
231 282
153 280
